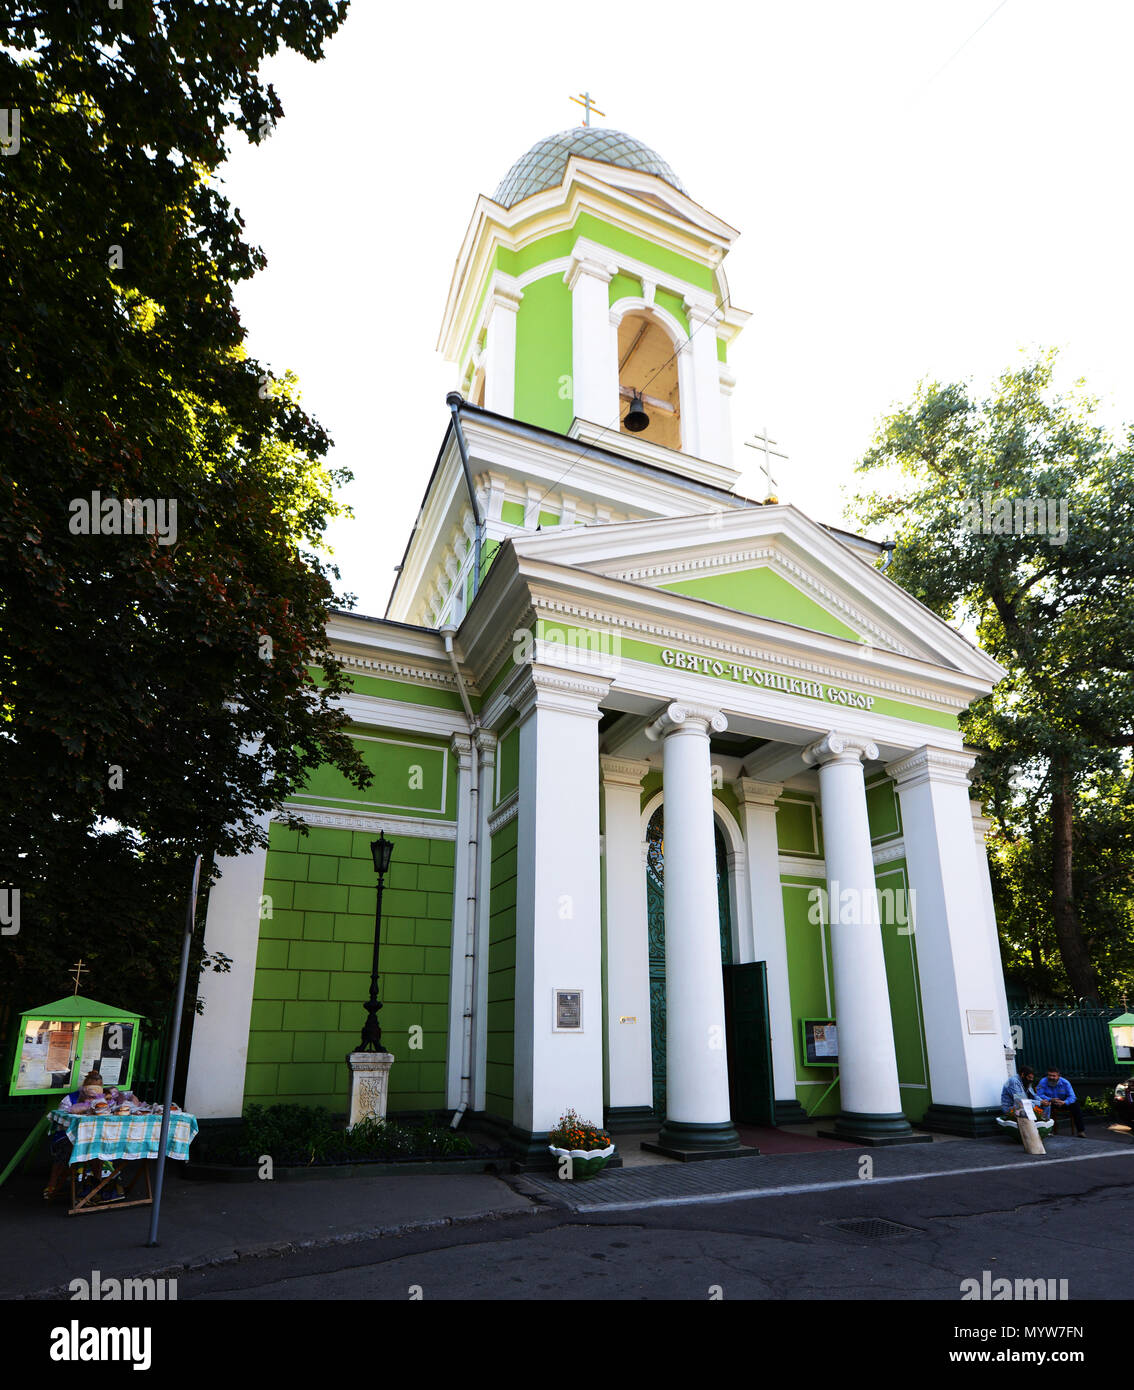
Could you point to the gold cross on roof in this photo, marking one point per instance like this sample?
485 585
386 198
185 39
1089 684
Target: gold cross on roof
584 100
77 970
764 442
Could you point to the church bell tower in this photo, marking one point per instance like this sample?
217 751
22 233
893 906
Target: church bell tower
590 298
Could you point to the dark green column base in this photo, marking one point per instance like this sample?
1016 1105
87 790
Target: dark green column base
875 1131
969 1122
629 1119
790 1112
690 1142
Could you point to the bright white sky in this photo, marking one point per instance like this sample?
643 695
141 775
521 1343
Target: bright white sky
905 212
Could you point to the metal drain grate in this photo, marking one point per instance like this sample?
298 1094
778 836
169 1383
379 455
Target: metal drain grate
872 1227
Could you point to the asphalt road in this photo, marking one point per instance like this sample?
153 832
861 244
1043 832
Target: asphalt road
1072 1223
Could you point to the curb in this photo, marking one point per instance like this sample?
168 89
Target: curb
269 1249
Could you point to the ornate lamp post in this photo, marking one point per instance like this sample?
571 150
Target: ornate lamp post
370 1064
382 851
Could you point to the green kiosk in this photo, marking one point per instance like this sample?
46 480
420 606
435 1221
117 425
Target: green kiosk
57 1044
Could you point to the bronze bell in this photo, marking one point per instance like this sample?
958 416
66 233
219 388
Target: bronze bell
636 418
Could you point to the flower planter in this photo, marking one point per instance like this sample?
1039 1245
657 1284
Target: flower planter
585 1163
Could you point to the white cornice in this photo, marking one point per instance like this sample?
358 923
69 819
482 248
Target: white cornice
802 868
412 826
676 634
508 810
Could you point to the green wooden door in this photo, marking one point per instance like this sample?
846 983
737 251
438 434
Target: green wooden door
751 1092
655 922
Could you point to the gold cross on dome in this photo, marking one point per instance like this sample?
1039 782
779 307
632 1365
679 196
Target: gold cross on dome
584 100
77 970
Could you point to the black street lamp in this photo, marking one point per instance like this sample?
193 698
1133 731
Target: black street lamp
381 849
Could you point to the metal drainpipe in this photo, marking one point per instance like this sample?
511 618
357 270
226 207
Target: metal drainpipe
474 851
454 400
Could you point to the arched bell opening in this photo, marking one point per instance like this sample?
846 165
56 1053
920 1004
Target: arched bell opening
648 380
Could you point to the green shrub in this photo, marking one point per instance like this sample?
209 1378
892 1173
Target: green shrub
301 1135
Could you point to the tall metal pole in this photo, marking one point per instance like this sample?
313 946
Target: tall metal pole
371 1031
171 1065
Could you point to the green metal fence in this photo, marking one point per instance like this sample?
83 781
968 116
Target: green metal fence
1076 1040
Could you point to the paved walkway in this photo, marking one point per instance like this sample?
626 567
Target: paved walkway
683 1184
42 1249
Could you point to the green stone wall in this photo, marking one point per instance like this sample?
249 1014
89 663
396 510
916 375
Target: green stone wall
500 1058
801 834
543 355
313 967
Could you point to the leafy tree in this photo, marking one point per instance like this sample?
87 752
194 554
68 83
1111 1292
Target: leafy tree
155 694
1055 606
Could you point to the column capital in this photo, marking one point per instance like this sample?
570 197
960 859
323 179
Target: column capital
946 766
699 313
538 688
587 265
981 823
460 745
485 742
750 792
622 772
834 747
504 296
683 715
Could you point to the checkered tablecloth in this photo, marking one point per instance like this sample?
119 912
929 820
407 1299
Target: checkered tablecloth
123 1136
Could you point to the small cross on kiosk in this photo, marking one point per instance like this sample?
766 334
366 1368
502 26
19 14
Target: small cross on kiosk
584 100
764 442
77 970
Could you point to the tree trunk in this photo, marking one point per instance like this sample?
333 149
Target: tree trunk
1068 931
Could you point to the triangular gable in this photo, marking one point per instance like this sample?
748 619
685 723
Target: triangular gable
770 563
766 594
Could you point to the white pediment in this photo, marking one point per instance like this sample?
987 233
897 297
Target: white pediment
770 562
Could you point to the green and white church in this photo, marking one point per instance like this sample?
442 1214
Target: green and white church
682 826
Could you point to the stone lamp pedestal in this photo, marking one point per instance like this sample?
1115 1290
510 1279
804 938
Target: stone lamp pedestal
369 1085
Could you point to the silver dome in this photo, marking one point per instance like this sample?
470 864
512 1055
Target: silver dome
543 165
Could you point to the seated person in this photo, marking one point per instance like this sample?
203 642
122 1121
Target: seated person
80 1102
1020 1089
1058 1094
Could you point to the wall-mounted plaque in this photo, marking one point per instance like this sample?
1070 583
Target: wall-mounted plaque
981 1021
568 1011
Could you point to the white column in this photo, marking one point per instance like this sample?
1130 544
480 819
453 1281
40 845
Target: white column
706 381
486 750
697 1099
629 1056
727 378
500 348
868 1066
460 746
959 988
594 342
558 908
981 827
758 811
214 1087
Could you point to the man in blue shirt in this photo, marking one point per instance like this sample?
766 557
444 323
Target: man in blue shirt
1057 1093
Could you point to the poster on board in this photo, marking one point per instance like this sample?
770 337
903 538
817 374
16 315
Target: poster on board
820 1042
47 1055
